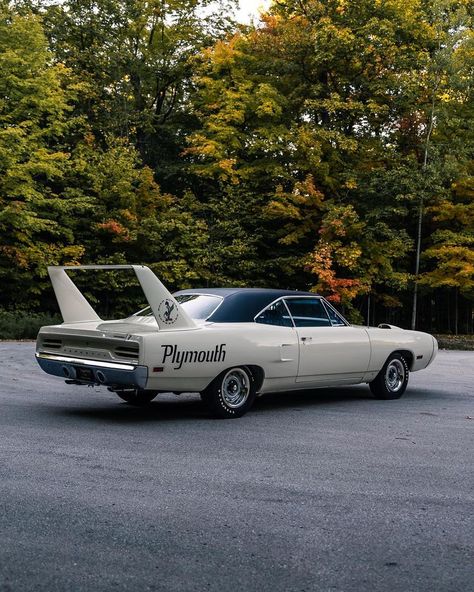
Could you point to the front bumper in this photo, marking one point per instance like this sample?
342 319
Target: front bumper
94 371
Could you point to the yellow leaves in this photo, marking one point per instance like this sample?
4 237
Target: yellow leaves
149 198
291 205
41 254
268 101
460 213
341 6
454 265
89 139
350 184
223 53
127 215
445 97
464 188
300 208
227 166
202 145
341 221
269 23
348 256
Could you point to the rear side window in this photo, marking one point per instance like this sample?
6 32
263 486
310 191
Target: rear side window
275 314
308 312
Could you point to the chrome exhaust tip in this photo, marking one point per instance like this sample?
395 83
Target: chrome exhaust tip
100 377
69 372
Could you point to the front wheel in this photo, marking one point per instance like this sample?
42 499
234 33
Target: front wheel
137 397
391 382
231 394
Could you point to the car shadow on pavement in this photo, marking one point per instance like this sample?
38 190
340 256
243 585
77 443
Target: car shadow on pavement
184 409
188 407
309 398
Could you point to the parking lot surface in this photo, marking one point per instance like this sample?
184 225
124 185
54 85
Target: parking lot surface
327 490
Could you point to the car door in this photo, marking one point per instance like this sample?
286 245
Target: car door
280 339
329 350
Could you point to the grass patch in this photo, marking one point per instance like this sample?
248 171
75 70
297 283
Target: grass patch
24 325
463 342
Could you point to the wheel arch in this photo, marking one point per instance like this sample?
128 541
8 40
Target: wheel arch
407 354
258 375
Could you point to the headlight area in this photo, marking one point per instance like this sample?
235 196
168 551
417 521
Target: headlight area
81 371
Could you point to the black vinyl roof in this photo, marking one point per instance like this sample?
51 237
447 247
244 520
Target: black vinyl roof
241 305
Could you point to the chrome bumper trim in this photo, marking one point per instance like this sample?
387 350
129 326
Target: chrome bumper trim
103 373
98 363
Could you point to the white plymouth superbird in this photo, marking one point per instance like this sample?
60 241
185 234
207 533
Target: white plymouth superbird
228 344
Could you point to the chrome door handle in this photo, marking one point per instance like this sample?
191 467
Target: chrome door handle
305 339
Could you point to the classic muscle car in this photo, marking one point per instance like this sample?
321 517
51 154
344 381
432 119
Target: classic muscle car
228 344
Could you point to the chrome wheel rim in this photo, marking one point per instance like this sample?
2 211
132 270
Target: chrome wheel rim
395 376
235 388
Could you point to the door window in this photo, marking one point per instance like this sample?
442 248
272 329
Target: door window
308 312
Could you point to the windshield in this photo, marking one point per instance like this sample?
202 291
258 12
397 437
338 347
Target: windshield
198 306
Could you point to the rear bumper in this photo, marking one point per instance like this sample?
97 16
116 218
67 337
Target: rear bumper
94 371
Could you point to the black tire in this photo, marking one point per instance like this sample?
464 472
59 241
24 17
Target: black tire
204 397
391 382
231 394
137 397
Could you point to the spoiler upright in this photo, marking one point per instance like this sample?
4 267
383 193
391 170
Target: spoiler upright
75 308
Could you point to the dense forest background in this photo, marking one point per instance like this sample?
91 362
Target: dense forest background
328 146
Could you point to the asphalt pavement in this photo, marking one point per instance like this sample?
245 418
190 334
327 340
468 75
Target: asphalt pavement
327 490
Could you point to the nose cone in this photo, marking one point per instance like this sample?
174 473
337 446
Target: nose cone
435 349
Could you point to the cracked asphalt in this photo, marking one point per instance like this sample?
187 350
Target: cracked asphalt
326 490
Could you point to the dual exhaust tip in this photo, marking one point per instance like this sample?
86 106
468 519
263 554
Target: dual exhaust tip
71 374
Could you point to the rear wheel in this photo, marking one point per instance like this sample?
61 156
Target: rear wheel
137 397
231 394
391 382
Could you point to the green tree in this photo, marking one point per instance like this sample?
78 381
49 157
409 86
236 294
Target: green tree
130 219
446 78
301 111
67 198
133 59
33 115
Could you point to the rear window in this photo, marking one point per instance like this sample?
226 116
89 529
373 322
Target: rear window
197 306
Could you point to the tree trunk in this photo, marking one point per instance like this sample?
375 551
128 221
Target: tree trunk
420 209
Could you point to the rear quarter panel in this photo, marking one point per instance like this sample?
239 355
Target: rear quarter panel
190 360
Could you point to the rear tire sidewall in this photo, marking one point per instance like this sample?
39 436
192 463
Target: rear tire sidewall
379 386
214 399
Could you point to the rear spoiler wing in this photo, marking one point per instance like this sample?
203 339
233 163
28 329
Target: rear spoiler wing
76 309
